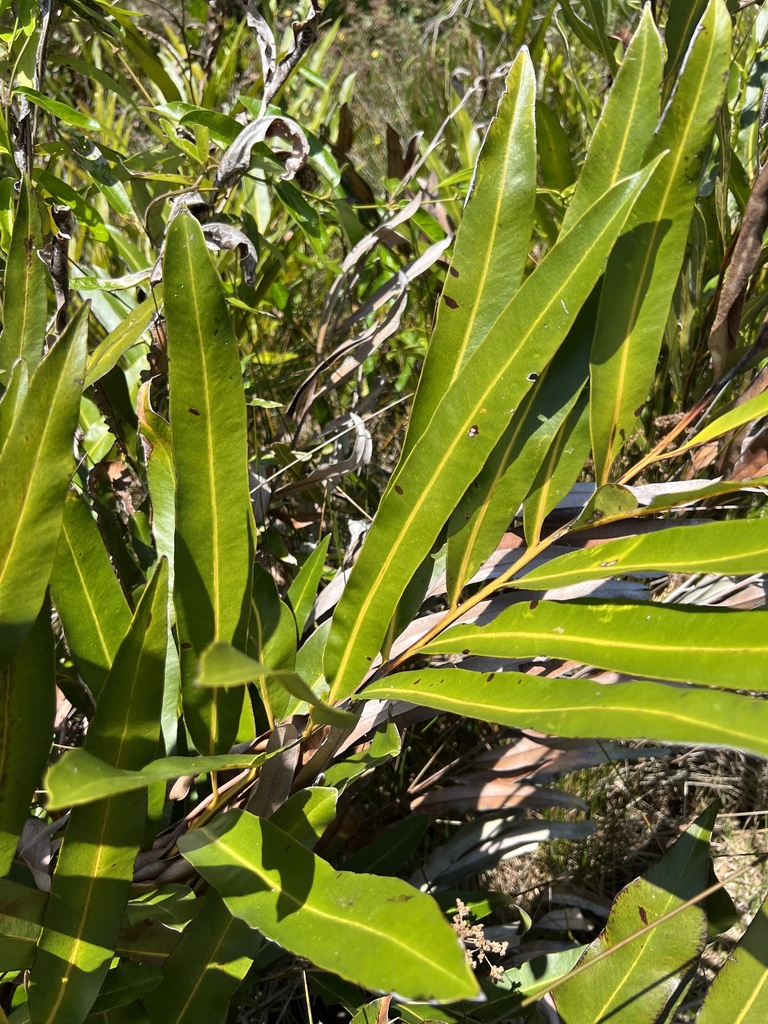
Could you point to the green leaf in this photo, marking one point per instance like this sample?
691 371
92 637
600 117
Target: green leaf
737 548
554 154
16 387
465 428
94 869
88 598
387 854
303 591
27 710
684 643
85 212
753 409
307 814
482 516
60 110
580 707
25 299
643 270
80 778
627 123
106 355
21 915
214 522
35 468
124 983
204 971
638 979
272 640
491 244
385 745
222 665
739 992
379 933
156 440
682 20
559 470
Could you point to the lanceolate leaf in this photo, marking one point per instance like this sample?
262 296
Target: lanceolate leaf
303 591
210 449
27 708
88 598
380 933
616 150
80 778
491 244
25 302
16 384
124 337
737 548
643 270
94 869
464 430
637 980
681 24
483 515
205 969
156 439
739 993
35 467
684 643
578 707
222 665
626 124
559 470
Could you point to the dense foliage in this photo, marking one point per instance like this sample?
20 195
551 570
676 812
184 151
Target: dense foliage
232 583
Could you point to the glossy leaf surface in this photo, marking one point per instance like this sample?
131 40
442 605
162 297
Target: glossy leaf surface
726 548
80 778
496 226
94 869
578 707
386 935
205 969
88 598
35 468
463 431
25 302
687 644
638 979
27 710
213 506
642 272
739 992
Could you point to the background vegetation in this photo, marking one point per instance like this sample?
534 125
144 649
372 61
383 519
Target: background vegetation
382 437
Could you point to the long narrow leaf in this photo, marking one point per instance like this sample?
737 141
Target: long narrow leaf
27 708
578 707
616 150
35 468
25 302
639 978
377 932
739 993
464 430
213 555
94 869
686 644
491 244
88 598
205 969
80 778
737 548
643 270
